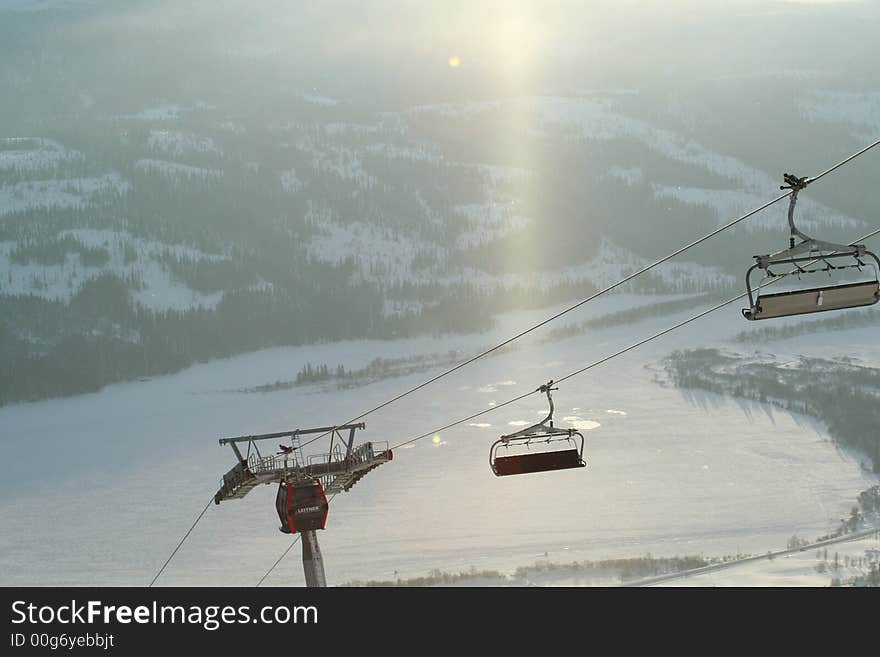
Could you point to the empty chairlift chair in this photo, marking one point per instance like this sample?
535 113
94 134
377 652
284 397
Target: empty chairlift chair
539 448
809 257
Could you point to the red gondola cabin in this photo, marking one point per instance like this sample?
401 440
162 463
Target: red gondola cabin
302 506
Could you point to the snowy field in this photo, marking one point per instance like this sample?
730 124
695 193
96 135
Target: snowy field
104 485
812 567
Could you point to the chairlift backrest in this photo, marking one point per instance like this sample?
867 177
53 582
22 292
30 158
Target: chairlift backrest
537 462
799 302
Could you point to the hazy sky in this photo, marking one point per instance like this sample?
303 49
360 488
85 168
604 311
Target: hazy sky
497 46
511 37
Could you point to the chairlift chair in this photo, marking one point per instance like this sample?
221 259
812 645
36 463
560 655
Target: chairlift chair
536 448
812 256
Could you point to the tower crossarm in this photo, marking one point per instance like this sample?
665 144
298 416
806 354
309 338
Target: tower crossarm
338 470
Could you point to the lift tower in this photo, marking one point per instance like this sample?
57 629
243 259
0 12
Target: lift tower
303 481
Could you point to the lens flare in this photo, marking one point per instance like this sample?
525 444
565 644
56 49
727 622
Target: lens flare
454 61
436 439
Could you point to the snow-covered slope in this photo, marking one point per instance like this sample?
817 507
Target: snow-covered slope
668 473
58 193
156 286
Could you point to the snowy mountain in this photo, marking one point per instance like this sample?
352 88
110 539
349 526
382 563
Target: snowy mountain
152 204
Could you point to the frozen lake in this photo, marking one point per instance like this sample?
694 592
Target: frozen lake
99 488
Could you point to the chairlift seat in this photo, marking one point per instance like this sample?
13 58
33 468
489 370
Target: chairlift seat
537 462
799 302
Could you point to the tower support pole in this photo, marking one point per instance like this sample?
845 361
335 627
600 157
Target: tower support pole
313 562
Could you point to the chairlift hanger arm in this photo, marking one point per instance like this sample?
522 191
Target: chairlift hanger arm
795 184
544 427
808 245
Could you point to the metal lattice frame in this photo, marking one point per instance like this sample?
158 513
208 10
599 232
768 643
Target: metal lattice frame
338 469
